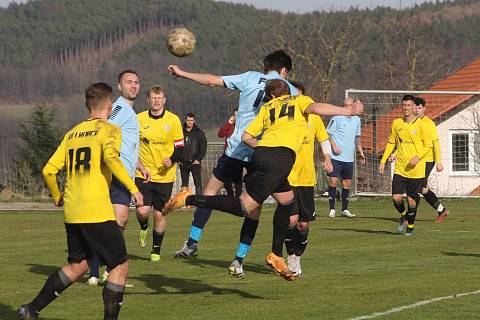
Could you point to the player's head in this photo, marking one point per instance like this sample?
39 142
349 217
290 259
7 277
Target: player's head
408 101
275 88
235 113
99 97
190 120
419 108
299 86
156 97
128 84
278 61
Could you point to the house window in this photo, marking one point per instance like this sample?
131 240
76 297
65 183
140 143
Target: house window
465 159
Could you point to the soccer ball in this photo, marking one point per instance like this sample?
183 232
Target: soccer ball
181 42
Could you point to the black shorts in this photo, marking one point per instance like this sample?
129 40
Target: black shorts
155 194
341 169
305 202
271 167
412 187
119 194
105 238
230 170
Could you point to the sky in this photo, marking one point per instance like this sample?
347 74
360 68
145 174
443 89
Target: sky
301 6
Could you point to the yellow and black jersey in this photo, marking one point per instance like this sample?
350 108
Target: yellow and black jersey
159 135
282 121
410 140
433 154
303 171
90 154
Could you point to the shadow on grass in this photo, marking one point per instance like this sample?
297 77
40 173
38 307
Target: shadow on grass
459 254
135 257
363 231
394 219
42 269
248 267
165 285
9 313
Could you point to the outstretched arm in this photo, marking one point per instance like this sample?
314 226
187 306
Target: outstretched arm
326 109
202 78
249 140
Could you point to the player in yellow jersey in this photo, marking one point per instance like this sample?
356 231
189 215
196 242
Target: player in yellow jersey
412 141
90 154
282 123
433 159
302 179
161 144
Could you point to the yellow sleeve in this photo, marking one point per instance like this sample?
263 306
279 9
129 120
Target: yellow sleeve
390 145
111 156
256 127
426 139
177 130
55 164
437 156
304 102
320 131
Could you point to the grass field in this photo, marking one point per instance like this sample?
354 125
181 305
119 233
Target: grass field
352 268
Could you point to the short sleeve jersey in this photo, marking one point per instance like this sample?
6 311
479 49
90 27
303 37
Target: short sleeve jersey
86 195
410 140
124 117
252 91
158 135
343 130
431 129
282 121
303 171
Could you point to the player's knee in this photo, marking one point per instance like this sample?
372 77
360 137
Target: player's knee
293 220
303 226
424 191
143 212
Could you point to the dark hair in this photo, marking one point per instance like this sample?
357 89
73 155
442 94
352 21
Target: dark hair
96 94
121 74
156 89
419 102
276 87
408 97
190 115
298 85
276 61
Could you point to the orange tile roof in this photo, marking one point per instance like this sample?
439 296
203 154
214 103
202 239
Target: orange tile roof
465 79
475 192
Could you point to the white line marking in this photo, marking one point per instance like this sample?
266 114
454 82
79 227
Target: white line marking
417 304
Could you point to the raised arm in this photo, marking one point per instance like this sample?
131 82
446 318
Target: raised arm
326 109
202 78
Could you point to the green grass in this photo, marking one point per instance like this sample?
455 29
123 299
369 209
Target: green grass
352 267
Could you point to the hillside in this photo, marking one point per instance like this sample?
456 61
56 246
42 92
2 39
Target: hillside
51 49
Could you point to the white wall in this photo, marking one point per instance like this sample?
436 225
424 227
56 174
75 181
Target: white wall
446 182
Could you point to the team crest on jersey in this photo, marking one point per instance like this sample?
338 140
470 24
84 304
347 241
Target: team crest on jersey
414 131
166 127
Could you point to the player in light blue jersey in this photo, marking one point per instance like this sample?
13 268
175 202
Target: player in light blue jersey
237 156
344 135
124 117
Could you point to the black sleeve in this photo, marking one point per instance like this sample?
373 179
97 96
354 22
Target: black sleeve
203 145
177 154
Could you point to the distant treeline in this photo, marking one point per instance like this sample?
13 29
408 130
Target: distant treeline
54 48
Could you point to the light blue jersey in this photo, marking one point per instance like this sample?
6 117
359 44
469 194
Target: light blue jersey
125 118
251 85
343 130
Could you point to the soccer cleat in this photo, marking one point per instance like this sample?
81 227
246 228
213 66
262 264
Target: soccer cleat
292 263
402 224
104 276
25 313
332 213
154 257
236 270
93 281
142 238
177 201
187 251
346 213
279 266
442 216
409 232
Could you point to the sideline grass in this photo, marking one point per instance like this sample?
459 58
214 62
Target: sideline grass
352 267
